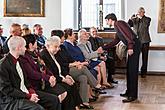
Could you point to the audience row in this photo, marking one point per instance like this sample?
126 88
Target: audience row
53 73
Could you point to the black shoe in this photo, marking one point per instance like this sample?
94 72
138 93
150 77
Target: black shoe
86 106
115 82
129 99
102 92
99 91
94 96
124 95
92 99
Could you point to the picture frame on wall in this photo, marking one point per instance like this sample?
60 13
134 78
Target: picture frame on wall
161 17
24 8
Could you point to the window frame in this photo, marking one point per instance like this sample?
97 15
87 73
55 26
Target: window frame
80 17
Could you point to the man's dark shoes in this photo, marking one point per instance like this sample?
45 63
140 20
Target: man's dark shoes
86 106
129 99
92 99
124 95
114 81
97 90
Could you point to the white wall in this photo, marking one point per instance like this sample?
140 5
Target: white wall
156 58
61 16
52 19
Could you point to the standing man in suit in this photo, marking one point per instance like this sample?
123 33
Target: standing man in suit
129 38
15 93
140 24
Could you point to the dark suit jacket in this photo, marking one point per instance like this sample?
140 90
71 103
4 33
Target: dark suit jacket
5 46
10 81
74 51
96 42
64 59
50 64
32 70
3 39
141 28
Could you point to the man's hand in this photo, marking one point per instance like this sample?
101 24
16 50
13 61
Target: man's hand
130 52
34 98
52 81
104 58
100 50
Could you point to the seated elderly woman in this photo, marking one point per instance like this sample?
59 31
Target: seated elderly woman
52 45
92 57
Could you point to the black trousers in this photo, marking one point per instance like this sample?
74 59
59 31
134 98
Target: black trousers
110 66
49 101
110 63
20 104
132 71
144 51
73 95
73 98
67 103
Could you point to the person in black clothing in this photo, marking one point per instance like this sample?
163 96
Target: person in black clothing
96 42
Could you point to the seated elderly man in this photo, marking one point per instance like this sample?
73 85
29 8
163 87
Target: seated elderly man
15 93
15 30
2 41
38 30
96 42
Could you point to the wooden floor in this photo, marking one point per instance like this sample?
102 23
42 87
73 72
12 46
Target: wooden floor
151 95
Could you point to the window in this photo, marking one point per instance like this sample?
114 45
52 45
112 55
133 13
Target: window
86 13
90 11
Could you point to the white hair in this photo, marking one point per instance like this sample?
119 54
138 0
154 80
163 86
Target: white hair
15 41
93 28
79 34
141 9
52 40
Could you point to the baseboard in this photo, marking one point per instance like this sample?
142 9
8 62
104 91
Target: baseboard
148 73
